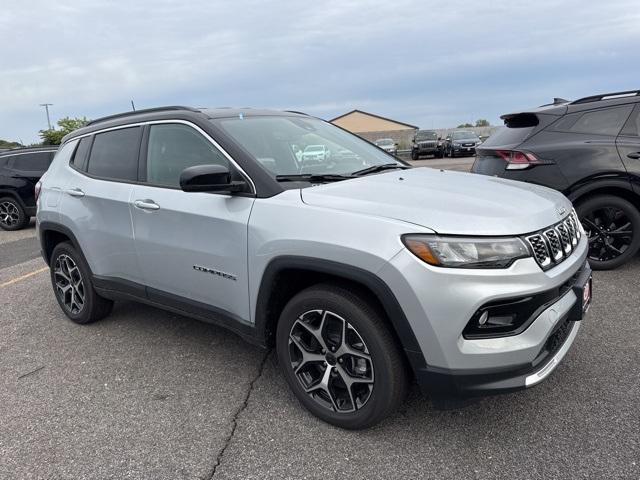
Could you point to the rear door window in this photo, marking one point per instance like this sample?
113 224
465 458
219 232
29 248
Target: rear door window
114 154
632 127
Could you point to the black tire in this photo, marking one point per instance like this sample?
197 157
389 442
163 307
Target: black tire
94 307
12 215
612 225
388 372
414 155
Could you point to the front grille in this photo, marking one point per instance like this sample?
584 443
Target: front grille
553 245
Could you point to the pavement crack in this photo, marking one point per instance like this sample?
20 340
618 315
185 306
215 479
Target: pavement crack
236 415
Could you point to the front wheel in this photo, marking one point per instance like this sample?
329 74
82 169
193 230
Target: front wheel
339 357
414 155
612 225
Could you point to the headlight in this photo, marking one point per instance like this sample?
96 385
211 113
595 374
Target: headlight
460 252
457 144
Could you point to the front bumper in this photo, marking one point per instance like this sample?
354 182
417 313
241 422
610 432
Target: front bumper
439 303
468 150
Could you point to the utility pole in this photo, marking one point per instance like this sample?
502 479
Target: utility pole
46 107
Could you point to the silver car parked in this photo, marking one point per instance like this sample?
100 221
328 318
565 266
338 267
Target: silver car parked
361 271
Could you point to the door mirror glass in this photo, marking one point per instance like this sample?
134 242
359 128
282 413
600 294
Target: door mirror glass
208 178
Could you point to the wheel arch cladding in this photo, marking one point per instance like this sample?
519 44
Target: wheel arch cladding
615 187
285 276
52 234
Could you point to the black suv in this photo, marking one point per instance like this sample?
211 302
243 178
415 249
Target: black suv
20 170
589 149
426 142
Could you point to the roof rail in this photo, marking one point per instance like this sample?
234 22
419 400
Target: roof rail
607 96
135 112
295 111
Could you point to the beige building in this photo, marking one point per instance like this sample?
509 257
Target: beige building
373 127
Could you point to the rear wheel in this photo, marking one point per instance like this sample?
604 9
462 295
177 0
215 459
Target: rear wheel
12 215
339 357
612 225
71 281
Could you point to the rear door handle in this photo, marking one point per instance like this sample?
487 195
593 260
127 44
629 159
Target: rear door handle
635 155
75 192
146 205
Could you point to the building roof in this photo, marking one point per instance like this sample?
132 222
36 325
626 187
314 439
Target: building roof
373 115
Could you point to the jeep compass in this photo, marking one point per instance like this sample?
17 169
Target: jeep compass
360 271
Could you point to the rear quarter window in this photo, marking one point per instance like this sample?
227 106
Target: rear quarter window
31 162
114 154
605 121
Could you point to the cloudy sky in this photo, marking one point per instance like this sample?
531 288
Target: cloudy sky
433 64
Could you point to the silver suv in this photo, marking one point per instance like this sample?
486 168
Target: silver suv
361 271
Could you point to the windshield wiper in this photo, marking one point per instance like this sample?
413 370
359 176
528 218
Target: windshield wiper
379 168
312 177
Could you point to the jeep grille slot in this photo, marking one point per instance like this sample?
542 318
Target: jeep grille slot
554 244
540 250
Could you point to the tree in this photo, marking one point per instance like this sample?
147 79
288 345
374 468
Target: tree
7 144
482 123
464 125
66 125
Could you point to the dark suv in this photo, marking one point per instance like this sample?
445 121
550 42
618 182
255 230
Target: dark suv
589 149
461 142
20 170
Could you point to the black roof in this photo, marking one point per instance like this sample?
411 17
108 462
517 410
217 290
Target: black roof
173 112
43 148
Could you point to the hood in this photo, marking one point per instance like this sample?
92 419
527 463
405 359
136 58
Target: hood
447 202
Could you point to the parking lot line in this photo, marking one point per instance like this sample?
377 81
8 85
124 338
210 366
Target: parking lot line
23 277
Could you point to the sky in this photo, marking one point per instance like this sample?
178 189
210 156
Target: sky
431 64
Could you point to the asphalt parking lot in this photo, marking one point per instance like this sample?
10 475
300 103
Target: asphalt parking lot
149 394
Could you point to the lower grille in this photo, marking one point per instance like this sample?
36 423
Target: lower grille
554 343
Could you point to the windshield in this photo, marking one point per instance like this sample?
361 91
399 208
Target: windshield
278 143
426 136
384 141
464 136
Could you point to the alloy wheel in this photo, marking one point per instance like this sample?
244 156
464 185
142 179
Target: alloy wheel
610 233
331 361
9 214
69 284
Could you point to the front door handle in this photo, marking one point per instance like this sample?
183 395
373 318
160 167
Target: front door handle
75 192
635 155
146 205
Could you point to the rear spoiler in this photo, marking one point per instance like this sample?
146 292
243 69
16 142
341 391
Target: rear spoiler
533 118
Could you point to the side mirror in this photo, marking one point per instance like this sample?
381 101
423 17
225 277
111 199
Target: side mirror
439 138
396 144
209 178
